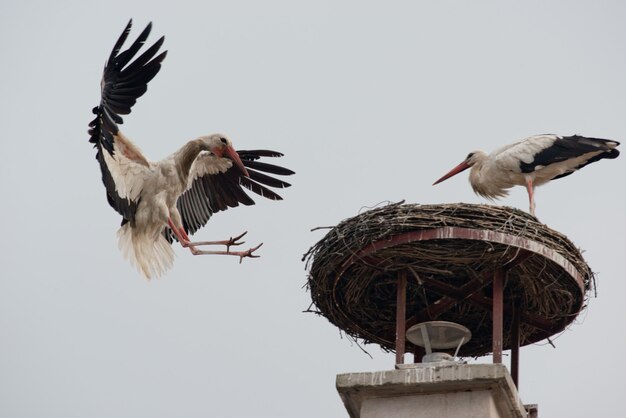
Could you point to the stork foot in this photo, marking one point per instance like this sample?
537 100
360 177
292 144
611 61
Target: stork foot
249 252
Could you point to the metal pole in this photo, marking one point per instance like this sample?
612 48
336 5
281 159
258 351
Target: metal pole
515 343
401 317
498 308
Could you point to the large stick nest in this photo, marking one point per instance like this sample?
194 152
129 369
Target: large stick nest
359 296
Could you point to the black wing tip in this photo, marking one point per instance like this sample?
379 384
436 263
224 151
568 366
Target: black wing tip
267 180
577 137
259 189
125 79
258 153
129 26
250 157
159 58
267 168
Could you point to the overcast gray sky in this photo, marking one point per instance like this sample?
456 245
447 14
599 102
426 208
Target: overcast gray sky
370 102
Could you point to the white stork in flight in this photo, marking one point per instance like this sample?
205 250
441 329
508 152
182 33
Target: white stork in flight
172 198
531 162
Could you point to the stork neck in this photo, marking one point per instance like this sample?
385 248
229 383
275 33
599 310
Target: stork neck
185 157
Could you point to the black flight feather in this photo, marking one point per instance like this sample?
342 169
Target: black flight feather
568 147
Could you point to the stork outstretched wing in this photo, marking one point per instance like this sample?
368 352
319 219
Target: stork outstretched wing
213 188
123 82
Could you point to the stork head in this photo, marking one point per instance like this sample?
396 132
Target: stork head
221 146
472 158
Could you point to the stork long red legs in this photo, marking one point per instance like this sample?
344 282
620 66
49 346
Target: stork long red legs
186 242
531 198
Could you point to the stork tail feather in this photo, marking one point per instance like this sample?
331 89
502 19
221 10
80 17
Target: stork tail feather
152 257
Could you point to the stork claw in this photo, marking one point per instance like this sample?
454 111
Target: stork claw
249 252
233 241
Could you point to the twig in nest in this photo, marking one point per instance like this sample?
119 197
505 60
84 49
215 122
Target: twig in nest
321 227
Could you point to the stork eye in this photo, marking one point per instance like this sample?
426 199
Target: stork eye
470 155
224 141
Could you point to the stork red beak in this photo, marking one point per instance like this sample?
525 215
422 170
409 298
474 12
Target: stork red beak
456 170
232 154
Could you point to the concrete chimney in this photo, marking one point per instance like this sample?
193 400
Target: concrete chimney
432 390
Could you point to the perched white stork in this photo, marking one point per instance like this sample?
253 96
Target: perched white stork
169 199
531 162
